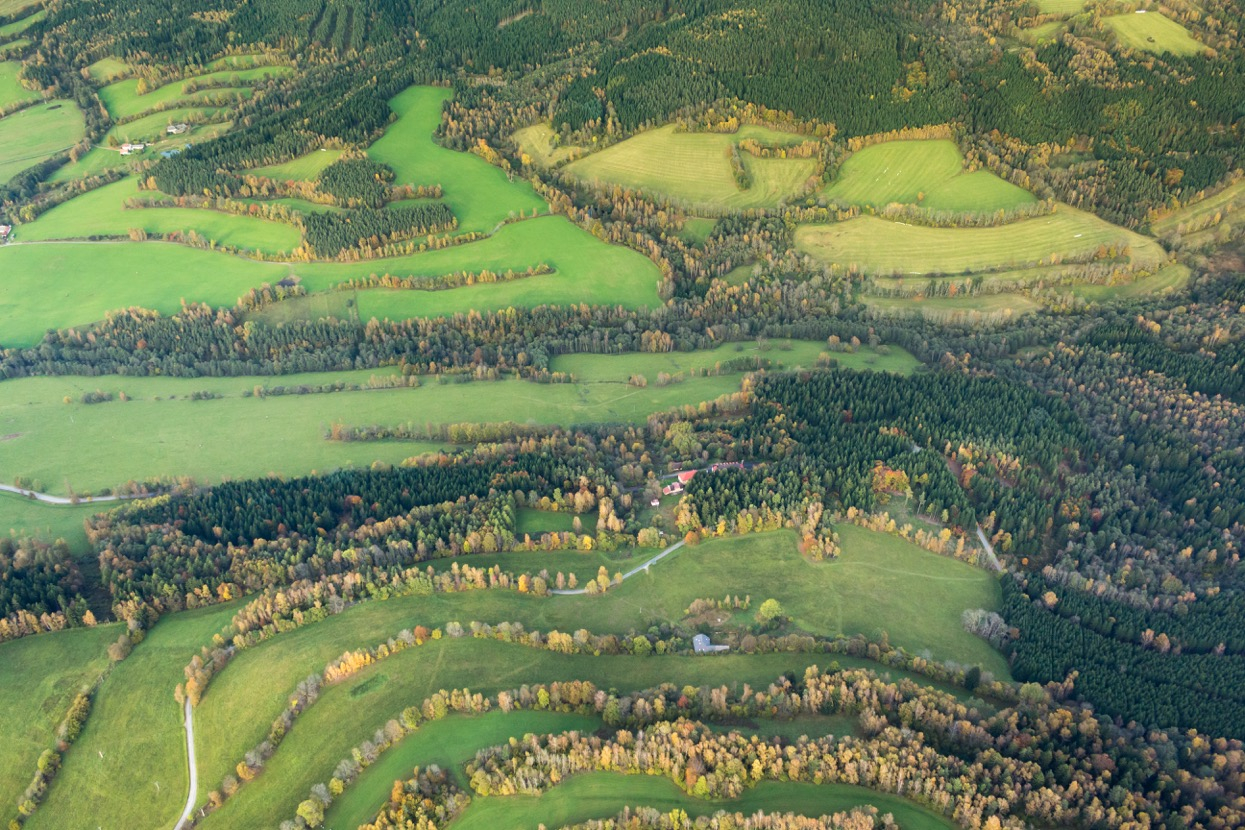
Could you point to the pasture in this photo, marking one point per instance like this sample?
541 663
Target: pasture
1045 33
1168 279
482 196
160 431
1202 212
537 142
1149 31
877 246
926 173
105 69
1064 8
96 161
103 212
40 678
22 24
129 764
11 90
123 100
150 128
695 168
964 309
53 286
604 794
37 133
13 46
8 7
21 516
305 168
781 355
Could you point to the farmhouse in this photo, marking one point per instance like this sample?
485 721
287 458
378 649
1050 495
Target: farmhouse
701 644
5 230
672 489
127 149
176 129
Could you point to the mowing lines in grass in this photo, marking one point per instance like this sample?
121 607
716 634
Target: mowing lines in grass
1149 31
123 100
695 168
37 133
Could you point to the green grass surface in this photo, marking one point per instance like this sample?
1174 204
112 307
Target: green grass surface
102 212
37 133
13 46
868 590
537 142
1045 33
62 285
154 127
695 168
303 169
449 743
537 522
123 101
39 677
25 517
581 263
96 161
22 24
1149 31
8 7
11 90
927 173
89 447
133 739
782 354
605 794
241 62
339 721
480 194
1228 200
1067 8
1171 278
965 309
877 246
105 68
696 230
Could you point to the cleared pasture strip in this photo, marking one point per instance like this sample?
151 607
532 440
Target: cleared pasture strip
11 90
123 100
1229 199
37 133
1150 31
304 168
877 246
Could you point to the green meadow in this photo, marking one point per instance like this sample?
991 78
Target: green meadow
22 24
40 677
11 90
123 100
1149 31
103 212
303 169
37 133
537 141
695 168
878 246
21 516
926 173
96 161
481 195
599 795
1227 201
150 128
1065 8
106 68
964 309
129 763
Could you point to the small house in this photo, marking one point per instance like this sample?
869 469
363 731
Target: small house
672 489
701 644
127 149
653 503
5 231
176 129
684 478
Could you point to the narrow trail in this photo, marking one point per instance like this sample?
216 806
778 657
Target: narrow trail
630 573
47 498
989 548
193 795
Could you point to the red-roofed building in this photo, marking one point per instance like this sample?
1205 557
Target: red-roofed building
684 478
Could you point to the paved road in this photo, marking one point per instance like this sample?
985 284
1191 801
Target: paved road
50 499
193 796
985 543
631 572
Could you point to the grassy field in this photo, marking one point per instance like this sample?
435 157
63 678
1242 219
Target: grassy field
585 270
105 68
867 590
13 46
123 100
782 354
877 246
22 24
40 677
161 432
153 127
1067 8
26 517
695 168
537 522
1171 278
128 768
1045 33
697 229
36 133
62 285
537 142
964 309
102 212
302 169
1229 200
11 91
8 7
96 160
604 794
449 743
481 195
925 173
1149 31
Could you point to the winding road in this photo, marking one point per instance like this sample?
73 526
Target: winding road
47 498
630 573
193 796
